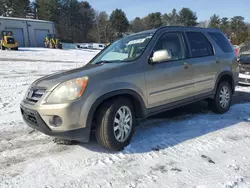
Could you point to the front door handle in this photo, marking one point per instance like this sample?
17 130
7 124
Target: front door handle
186 65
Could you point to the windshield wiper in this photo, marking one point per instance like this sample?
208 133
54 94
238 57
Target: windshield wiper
104 61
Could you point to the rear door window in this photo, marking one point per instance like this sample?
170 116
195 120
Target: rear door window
199 44
221 41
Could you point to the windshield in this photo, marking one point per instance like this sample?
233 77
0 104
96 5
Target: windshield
10 40
244 49
125 49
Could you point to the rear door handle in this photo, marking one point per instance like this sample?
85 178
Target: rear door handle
186 65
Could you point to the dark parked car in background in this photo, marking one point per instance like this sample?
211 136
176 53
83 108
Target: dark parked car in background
244 76
244 63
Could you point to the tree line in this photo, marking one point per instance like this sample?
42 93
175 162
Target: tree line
78 21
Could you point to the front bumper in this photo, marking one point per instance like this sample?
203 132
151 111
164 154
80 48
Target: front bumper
244 79
33 119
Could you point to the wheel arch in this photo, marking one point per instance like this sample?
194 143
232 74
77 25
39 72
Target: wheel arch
136 99
225 76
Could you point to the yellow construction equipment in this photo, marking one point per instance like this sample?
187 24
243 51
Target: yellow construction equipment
51 41
8 41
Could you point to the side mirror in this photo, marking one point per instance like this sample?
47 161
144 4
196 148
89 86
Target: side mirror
161 56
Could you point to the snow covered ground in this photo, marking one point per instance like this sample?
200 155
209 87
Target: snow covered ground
187 147
51 55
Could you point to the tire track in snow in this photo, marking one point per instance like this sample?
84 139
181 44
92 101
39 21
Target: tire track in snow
204 146
122 158
176 153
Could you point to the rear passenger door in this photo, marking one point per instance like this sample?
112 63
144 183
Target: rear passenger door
203 62
226 57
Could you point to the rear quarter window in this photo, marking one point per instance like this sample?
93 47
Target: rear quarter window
221 41
199 44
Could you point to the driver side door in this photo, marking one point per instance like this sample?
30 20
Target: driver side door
170 81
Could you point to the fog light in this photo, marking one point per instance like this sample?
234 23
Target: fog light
56 121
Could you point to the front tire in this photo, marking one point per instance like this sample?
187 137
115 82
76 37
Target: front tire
115 124
3 48
223 98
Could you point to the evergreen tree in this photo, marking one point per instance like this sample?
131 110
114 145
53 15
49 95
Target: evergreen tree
6 7
187 17
137 25
15 8
48 9
77 21
153 20
215 21
86 16
225 25
21 8
171 19
239 30
119 22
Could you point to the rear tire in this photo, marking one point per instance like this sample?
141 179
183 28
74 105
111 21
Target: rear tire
115 124
223 98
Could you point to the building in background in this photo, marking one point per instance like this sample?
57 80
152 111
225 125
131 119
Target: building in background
27 32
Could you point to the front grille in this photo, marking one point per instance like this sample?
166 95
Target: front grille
244 80
34 94
245 67
29 117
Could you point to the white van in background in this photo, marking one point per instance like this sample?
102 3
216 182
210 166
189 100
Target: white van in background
98 46
93 46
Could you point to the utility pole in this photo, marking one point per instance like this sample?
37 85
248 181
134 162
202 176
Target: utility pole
36 14
36 6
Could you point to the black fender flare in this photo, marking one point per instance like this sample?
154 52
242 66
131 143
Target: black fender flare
224 73
142 110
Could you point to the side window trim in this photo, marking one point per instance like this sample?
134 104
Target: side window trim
210 42
189 45
183 43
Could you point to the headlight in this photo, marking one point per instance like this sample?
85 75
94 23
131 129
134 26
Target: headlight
27 92
68 91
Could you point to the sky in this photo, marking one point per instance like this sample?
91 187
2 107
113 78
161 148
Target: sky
203 8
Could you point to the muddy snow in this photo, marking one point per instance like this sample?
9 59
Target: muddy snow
186 147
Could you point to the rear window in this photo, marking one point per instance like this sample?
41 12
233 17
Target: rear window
221 41
199 44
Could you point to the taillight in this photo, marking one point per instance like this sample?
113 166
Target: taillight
237 51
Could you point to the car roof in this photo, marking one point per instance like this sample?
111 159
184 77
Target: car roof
183 28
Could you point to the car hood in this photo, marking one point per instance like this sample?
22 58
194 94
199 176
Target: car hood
51 81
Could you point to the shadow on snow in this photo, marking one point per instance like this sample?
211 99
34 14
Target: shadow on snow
176 126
